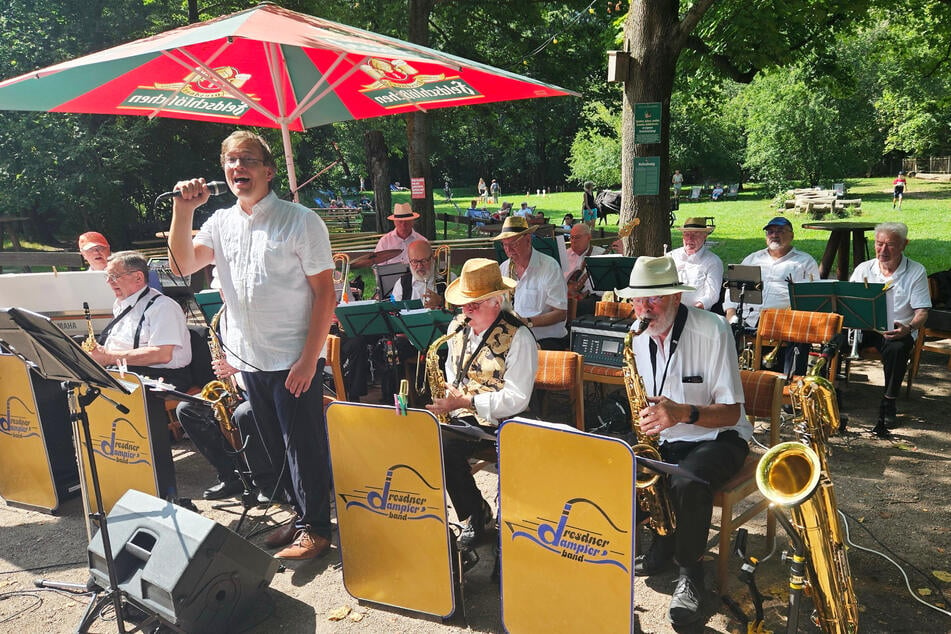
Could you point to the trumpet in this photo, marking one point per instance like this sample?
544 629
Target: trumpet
341 275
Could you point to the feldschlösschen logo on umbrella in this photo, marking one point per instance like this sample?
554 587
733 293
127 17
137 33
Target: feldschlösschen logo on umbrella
396 83
410 498
195 94
587 541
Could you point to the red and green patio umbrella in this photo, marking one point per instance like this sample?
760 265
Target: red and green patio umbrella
270 67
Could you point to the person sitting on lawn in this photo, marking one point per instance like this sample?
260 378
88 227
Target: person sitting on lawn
717 192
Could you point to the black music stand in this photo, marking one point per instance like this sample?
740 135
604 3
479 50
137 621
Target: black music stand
745 284
388 276
609 272
862 306
54 355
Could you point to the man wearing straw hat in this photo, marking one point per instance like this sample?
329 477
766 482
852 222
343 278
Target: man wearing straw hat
687 360
541 294
697 265
490 373
403 218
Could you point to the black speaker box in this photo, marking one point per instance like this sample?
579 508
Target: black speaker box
186 569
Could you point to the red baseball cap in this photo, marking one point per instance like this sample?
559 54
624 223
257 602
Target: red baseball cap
92 239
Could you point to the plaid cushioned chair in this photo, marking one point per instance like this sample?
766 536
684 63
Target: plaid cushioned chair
561 371
763 394
782 325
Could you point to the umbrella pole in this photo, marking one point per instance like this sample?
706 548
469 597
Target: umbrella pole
289 159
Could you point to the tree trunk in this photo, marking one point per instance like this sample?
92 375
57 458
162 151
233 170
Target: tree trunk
649 40
418 127
379 166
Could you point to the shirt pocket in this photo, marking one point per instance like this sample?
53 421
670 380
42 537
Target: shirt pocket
527 301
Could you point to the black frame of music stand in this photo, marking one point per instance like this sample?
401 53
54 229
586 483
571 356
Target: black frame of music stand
56 356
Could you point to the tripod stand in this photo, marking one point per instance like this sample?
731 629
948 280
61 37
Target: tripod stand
54 355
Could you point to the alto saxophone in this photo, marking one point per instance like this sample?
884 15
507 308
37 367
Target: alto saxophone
222 394
434 374
89 343
651 488
796 475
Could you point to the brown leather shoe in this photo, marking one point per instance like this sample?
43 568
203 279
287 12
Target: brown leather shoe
281 536
306 545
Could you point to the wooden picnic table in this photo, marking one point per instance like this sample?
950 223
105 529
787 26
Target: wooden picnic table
14 226
838 245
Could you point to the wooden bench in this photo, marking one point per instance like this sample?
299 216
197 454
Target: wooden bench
469 223
25 260
341 219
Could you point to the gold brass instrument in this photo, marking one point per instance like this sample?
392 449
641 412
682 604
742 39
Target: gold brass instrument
89 343
795 475
769 361
341 275
441 260
434 374
651 488
746 357
440 278
222 394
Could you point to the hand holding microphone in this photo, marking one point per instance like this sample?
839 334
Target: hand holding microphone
215 188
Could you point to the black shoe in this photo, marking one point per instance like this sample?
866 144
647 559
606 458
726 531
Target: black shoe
889 412
659 558
686 601
478 527
221 490
881 431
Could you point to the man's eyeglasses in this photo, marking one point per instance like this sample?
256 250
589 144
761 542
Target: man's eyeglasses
244 161
113 277
474 305
420 261
653 300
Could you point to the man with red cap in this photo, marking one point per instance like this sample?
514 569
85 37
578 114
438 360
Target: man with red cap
95 249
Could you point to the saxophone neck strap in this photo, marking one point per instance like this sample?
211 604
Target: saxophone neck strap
679 322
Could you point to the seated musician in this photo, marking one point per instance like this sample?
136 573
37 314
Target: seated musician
95 249
148 333
490 371
422 281
579 284
695 411
697 265
912 298
403 218
541 296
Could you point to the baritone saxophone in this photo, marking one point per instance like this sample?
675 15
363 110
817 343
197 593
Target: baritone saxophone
795 475
652 493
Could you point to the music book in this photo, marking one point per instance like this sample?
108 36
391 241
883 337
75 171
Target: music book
422 326
609 272
863 306
210 302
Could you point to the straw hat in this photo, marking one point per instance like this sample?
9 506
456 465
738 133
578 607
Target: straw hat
651 277
696 224
403 211
515 226
479 279
92 239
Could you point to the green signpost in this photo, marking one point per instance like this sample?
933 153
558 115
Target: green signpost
647 176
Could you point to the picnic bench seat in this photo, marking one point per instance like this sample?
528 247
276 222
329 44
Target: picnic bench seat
341 219
26 260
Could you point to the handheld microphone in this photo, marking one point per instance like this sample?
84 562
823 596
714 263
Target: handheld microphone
215 188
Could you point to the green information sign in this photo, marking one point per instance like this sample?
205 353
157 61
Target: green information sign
647 176
647 118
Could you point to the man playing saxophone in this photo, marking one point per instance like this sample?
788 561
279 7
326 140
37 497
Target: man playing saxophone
489 375
695 407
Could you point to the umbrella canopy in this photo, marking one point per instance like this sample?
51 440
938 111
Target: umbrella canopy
270 67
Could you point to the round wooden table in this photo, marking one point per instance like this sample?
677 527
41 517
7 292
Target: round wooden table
838 245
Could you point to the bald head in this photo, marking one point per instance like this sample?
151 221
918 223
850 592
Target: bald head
420 254
580 238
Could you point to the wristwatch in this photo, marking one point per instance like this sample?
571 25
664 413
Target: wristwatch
694 415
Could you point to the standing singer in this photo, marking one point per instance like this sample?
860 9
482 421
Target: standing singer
275 265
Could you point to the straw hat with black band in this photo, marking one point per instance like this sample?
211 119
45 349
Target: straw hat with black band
515 226
479 280
403 211
652 277
696 224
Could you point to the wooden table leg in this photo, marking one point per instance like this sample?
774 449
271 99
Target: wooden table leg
859 247
828 257
842 266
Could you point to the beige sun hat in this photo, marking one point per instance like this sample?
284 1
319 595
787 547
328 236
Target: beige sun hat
515 226
651 277
479 279
696 224
403 211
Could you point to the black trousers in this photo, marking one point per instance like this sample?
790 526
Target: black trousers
715 461
460 484
895 354
294 430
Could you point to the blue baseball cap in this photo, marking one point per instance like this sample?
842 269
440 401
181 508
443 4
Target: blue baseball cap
778 221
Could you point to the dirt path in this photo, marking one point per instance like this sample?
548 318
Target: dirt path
895 493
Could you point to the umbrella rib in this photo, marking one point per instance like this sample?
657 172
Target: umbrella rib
307 102
211 59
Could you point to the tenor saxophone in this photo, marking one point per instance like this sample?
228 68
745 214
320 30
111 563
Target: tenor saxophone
222 394
652 491
796 475
434 374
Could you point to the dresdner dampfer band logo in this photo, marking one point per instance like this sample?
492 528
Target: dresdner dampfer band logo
414 499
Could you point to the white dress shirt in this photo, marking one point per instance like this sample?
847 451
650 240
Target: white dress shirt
163 324
909 286
263 261
521 364
776 272
704 271
541 288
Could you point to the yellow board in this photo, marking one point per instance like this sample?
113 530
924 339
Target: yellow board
391 506
123 446
567 530
26 476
